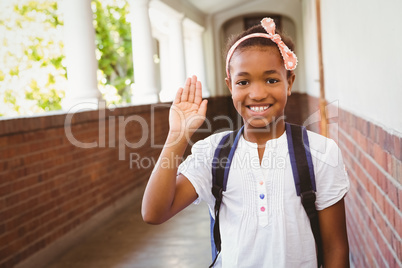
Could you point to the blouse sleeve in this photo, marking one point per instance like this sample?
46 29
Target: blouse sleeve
331 177
197 167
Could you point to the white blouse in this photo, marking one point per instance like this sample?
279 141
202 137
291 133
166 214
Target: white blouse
262 220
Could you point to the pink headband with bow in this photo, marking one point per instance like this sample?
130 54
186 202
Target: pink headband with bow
289 58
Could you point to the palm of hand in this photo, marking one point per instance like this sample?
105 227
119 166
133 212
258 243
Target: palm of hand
188 110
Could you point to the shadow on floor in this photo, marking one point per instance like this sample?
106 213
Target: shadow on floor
127 242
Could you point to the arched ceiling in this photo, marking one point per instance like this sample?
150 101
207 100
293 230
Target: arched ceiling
213 6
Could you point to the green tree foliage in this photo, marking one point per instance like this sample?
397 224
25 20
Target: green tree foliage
114 48
33 76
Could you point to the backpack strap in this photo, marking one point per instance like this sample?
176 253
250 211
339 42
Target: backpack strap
220 171
303 174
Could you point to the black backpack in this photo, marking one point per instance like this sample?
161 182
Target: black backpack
303 174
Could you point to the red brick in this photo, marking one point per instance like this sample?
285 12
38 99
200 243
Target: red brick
32 158
389 143
5 190
370 245
381 244
393 192
372 131
8 238
390 163
372 190
8 153
2 205
398 224
370 168
365 127
3 141
351 120
394 163
354 133
370 147
362 141
380 137
14 139
386 230
397 147
23 184
390 213
380 199
359 123
379 156
396 245
398 170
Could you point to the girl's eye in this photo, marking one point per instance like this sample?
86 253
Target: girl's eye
242 83
272 81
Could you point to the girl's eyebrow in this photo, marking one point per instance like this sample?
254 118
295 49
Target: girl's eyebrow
268 72
242 74
271 72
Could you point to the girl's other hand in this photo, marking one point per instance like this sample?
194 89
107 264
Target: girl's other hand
188 110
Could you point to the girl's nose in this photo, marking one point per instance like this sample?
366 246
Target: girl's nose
258 92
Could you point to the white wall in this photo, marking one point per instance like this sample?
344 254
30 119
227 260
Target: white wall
181 50
310 49
362 55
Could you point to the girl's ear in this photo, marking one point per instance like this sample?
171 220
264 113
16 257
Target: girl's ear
229 83
291 80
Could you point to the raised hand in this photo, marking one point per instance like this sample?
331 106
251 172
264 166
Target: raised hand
167 193
188 110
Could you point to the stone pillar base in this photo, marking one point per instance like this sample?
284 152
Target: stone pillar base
143 96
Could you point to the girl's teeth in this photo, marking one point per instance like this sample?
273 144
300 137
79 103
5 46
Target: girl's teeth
259 108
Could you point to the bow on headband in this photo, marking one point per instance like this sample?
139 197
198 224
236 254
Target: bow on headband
289 58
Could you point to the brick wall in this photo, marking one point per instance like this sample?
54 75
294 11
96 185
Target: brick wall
373 206
49 186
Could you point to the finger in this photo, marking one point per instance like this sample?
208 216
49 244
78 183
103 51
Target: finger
184 95
203 108
178 96
192 88
198 93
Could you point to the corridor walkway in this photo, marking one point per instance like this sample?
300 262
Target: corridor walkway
127 242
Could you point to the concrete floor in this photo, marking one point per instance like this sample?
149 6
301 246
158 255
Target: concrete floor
127 242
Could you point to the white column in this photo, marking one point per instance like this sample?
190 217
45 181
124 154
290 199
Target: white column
144 89
177 62
81 61
195 61
166 85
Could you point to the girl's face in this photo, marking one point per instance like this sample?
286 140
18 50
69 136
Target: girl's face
259 85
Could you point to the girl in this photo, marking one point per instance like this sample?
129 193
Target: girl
262 221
